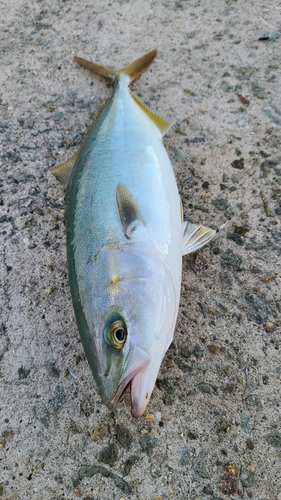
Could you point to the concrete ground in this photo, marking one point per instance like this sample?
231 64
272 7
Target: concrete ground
213 426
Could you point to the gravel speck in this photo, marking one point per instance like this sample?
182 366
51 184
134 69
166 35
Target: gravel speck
232 259
220 203
236 238
18 177
54 405
90 471
274 439
123 436
130 462
250 444
249 481
99 432
257 307
205 388
252 400
109 454
246 423
148 443
239 164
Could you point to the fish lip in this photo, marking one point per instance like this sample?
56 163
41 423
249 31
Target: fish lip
121 389
139 400
138 359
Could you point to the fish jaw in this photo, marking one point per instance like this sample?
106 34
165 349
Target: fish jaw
139 400
140 375
134 379
142 384
136 363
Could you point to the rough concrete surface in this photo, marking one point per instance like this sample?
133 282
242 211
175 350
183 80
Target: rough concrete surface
213 426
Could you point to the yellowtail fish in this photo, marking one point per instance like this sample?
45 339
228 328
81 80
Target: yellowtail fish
125 240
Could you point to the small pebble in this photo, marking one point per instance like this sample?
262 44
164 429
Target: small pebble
269 327
52 371
99 432
123 436
130 462
239 164
228 370
43 128
269 277
109 454
274 439
149 417
214 349
250 444
220 203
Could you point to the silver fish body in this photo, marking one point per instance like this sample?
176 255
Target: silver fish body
124 248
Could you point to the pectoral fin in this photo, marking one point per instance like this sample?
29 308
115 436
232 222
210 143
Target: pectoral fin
195 236
128 209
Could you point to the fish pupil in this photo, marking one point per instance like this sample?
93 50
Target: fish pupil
120 334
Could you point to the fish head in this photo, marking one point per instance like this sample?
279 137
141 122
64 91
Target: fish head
131 320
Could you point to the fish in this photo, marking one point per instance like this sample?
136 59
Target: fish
125 237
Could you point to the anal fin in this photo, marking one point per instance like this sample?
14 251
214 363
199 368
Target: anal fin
195 236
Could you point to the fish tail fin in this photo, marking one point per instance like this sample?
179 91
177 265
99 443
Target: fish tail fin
132 70
135 69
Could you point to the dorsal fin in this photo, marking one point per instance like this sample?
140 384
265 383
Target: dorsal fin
128 209
63 171
161 123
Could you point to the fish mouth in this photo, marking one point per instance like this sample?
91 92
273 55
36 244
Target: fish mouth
138 360
138 403
127 381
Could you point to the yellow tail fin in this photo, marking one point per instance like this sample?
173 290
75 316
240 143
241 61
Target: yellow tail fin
132 70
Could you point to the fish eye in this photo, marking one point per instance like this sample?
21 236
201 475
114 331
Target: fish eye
115 334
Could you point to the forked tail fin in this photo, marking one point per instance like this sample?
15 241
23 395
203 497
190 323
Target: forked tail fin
132 70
